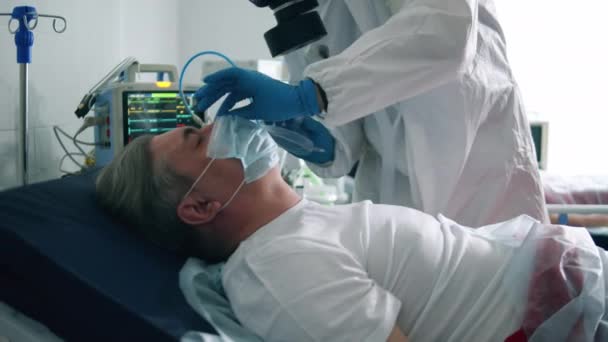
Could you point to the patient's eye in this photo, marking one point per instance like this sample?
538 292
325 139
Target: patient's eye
187 135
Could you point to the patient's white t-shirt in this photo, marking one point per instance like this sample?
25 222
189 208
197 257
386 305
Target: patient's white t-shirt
353 272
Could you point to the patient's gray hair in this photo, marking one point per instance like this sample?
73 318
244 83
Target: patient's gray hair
145 194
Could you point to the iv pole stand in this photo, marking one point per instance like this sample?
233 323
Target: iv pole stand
24 40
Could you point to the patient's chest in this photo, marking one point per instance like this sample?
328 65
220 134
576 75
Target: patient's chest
449 280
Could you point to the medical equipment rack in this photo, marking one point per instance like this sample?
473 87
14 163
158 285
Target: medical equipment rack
27 18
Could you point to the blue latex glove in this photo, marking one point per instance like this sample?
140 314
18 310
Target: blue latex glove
322 139
272 100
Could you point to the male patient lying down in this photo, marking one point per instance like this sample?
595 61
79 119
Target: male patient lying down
299 271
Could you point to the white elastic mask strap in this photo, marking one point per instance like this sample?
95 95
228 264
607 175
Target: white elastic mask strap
233 195
198 179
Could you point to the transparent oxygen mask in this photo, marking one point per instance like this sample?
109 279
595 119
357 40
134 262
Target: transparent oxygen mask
290 140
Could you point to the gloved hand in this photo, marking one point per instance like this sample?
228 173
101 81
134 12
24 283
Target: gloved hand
322 139
272 100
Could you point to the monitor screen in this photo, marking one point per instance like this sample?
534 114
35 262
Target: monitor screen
154 112
539 136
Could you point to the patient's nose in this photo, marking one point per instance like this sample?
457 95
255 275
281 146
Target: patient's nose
207 129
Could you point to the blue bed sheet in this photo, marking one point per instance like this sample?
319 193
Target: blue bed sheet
600 236
65 263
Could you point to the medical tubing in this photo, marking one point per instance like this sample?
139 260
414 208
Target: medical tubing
87 143
282 135
181 75
63 159
57 128
69 154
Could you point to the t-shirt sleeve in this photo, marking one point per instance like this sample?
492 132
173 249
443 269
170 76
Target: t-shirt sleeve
303 290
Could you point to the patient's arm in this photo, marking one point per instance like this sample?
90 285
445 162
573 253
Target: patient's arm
580 220
397 336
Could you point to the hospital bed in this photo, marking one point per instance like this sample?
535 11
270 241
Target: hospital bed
575 190
70 267
67 265
579 201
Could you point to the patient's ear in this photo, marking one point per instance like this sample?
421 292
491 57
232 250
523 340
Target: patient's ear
196 211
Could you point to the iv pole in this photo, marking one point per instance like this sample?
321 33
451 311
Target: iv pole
24 40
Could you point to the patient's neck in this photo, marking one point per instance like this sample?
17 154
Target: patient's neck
256 205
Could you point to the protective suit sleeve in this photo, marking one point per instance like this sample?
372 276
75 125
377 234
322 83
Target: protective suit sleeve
349 144
426 44
310 291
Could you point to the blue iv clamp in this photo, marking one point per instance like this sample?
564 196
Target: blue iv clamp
27 19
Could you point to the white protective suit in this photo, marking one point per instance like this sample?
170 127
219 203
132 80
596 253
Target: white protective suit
425 100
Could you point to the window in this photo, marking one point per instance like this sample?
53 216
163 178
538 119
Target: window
559 54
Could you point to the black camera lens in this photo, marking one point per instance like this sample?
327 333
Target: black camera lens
260 3
297 25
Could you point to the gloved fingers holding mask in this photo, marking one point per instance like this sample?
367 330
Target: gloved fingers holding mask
319 148
290 107
271 100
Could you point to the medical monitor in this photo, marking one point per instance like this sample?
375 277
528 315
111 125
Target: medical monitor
540 136
153 112
130 110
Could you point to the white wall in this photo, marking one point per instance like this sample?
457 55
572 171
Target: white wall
233 27
559 55
148 31
65 66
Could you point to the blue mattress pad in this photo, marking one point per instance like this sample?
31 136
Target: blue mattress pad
66 263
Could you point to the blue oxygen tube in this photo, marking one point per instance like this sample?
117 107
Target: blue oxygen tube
181 79
297 143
